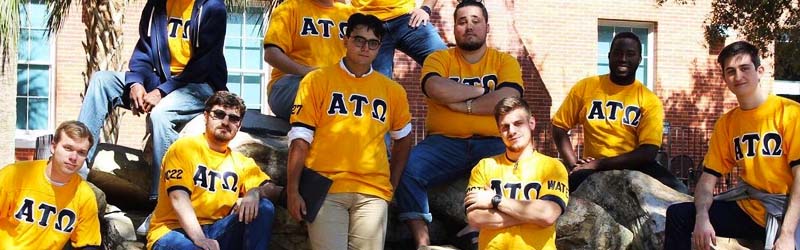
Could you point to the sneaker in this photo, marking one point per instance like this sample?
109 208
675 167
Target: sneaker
142 230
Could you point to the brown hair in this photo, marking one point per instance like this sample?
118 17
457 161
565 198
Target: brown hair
508 104
226 99
75 130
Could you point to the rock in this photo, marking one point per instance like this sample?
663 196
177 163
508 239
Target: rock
122 173
635 200
586 225
99 196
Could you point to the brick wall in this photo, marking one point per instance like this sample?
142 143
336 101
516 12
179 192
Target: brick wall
555 43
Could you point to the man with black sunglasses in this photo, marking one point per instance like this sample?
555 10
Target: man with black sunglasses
339 120
462 85
199 202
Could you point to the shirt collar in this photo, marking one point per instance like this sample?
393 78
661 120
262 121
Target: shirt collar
341 64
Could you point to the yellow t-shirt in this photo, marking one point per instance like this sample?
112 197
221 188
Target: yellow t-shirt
180 48
384 9
494 71
536 177
308 33
349 117
35 214
213 180
616 119
763 142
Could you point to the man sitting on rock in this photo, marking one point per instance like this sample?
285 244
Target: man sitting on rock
761 137
621 118
516 197
44 203
198 202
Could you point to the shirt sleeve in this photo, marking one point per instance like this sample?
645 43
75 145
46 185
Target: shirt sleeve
477 180
555 187
282 29
87 228
253 176
650 129
510 74
719 159
401 114
177 169
306 109
791 133
435 65
568 114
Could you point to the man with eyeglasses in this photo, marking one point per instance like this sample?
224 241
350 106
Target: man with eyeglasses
198 202
341 115
302 35
462 86
408 29
622 120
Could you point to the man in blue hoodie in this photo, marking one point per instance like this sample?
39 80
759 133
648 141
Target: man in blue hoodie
176 65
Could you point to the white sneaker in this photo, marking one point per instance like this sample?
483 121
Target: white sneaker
142 230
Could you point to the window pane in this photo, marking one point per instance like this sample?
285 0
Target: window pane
253 23
251 92
24 45
602 69
39 80
234 24
40 46
642 34
253 54
235 83
22 111
22 80
37 115
233 53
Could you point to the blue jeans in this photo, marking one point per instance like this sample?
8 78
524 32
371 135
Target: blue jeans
105 92
417 43
228 231
726 217
437 160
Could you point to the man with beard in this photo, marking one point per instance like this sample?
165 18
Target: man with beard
44 204
621 118
198 202
462 86
516 197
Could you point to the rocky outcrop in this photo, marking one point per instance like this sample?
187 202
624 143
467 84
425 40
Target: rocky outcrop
586 225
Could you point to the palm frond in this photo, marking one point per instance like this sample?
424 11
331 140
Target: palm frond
9 27
59 10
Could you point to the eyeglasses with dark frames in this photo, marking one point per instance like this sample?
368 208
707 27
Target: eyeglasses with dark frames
372 44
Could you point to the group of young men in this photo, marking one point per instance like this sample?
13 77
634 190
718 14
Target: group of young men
332 81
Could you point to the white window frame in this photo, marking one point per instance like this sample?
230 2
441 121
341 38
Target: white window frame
265 69
785 87
651 38
24 138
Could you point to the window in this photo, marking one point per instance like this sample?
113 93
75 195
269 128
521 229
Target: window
244 55
606 31
787 65
34 74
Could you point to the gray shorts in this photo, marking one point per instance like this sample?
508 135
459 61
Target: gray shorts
281 97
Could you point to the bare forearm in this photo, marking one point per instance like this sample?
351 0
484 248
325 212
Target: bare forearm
270 191
186 216
704 195
484 105
640 156
540 212
399 158
789 225
276 58
298 150
564 146
443 90
491 219
429 3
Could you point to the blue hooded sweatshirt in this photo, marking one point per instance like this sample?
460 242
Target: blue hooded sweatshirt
149 64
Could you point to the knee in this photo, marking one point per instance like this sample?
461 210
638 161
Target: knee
266 208
101 79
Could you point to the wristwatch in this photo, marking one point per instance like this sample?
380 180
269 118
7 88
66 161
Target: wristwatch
426 9
469 106
496 200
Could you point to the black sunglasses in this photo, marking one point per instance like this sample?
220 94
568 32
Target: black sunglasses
218 114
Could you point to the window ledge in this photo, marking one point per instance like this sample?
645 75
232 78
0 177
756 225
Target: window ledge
783 87
27 138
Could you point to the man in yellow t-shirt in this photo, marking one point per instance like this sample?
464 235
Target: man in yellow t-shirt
44 204
408 29
211 197
515 198
302 35
341 115
462 86
761 137
621 118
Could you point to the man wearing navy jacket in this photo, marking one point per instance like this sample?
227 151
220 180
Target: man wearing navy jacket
176 65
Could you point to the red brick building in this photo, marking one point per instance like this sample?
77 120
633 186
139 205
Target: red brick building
556 42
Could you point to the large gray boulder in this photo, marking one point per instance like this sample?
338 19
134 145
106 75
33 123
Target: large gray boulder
635 200
586 225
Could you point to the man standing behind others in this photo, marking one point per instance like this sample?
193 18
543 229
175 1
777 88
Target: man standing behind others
198 203
462 86
516 197
622 120
44 204
303 35
342 113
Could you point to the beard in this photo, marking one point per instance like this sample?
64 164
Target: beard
471 45
623 79
220 134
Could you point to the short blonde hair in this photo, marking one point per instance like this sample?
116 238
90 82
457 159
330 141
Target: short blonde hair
75 130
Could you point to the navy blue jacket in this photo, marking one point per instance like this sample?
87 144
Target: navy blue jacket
149 64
